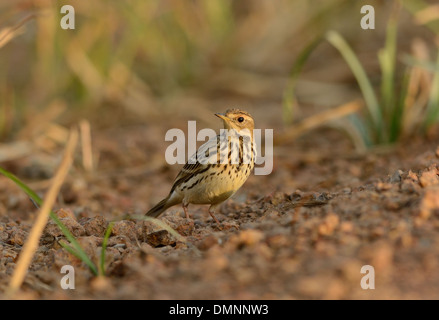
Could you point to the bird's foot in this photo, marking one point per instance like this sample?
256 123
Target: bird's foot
229 225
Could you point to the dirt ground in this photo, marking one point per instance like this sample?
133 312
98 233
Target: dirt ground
302 232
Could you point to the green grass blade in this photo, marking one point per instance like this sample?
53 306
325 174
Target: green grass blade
104 248
432 116
22 186
362 128
387 59
69 249
355 129
357 69
427 65
396 124
288 96
80 253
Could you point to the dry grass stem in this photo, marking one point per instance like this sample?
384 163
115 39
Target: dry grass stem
15 150
87 153
31 244
428 14
9 33
318 120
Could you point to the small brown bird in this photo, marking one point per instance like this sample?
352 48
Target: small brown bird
218 168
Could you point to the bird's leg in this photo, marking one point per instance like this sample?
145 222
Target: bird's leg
211 212
185 210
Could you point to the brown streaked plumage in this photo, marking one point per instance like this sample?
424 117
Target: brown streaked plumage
218 168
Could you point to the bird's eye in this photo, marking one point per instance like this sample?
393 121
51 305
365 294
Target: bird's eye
240 119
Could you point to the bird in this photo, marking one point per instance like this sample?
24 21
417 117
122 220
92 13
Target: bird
217 169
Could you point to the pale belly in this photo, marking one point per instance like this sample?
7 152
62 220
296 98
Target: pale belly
214 189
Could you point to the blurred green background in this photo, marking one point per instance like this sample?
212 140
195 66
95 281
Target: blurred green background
135 61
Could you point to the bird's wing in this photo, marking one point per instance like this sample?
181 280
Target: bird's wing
199 162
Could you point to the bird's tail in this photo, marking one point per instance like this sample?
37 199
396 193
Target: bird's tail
159 208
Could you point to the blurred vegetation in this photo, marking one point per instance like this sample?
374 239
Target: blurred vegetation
406 102
73 245
128 59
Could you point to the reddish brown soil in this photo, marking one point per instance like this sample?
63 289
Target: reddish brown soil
304 231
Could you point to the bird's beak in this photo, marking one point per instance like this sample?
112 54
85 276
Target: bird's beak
222 116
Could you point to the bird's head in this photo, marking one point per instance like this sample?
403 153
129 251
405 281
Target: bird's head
237 119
